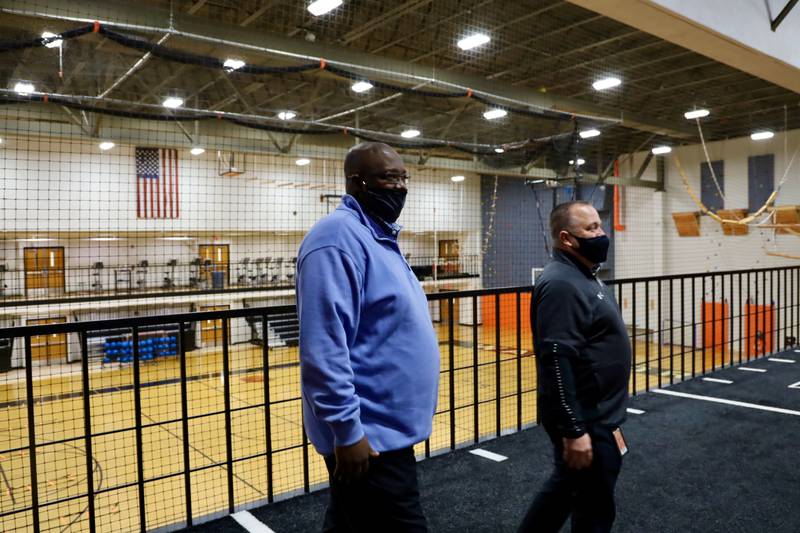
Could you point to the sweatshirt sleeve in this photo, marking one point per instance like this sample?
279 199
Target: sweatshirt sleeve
328 303
561 314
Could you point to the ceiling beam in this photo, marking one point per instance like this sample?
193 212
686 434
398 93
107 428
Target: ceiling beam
255 15
125 15
194 8
383 19
494 29
541 36
701 26
594 44
435 22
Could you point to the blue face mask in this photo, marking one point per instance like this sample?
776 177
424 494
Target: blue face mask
594 249
386 204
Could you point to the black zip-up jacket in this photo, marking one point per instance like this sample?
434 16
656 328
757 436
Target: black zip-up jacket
583 353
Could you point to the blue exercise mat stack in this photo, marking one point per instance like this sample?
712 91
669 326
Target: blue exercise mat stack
166 346
120 350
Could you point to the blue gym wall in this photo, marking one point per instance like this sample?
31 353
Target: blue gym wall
517 241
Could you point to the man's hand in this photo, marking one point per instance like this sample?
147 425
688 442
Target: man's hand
352 462
578 452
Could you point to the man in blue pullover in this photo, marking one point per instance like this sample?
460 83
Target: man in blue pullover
369 357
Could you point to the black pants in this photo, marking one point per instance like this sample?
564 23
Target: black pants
587 494
385 500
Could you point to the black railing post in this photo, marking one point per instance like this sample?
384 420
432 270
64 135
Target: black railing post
87 428
660 331
776 312
137 408
722 330
646 335
748 310
29 402
778 308
267 407
671 333
796 299
703 318
757 324
475 374
226 385
497 362
713 323
683 331
519 361
452 369
187 466
740 317
694 326
730 318
633 343
306 474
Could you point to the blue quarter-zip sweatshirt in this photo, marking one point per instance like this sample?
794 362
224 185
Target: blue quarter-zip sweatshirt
369 357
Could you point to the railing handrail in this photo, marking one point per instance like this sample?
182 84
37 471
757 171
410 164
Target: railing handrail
700 274
140 321
151 320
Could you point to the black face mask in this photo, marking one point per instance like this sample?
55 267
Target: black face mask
386 204
595 249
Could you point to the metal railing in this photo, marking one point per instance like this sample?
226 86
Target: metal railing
680 326
123 281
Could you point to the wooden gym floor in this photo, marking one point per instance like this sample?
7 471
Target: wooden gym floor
62 466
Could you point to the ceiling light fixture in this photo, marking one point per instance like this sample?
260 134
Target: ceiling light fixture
457 179
106 145
197 150
23 87
320 7
176 238
233 64
762 135
105 239
588 134
287 115
51 44
473 41
302 162
606 83
172 102
660 150
410 134
361 86
493 114
499 150
696 113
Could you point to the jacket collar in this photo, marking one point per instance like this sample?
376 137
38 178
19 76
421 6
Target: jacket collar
391 231
569 259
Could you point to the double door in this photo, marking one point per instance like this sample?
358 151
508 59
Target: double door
44 268
214 260
49 348
211 330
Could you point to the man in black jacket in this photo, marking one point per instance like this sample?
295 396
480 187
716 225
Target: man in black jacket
583 362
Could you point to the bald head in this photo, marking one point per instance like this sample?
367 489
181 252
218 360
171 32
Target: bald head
366 163
364 158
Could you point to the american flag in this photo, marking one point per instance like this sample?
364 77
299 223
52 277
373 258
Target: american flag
157 183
